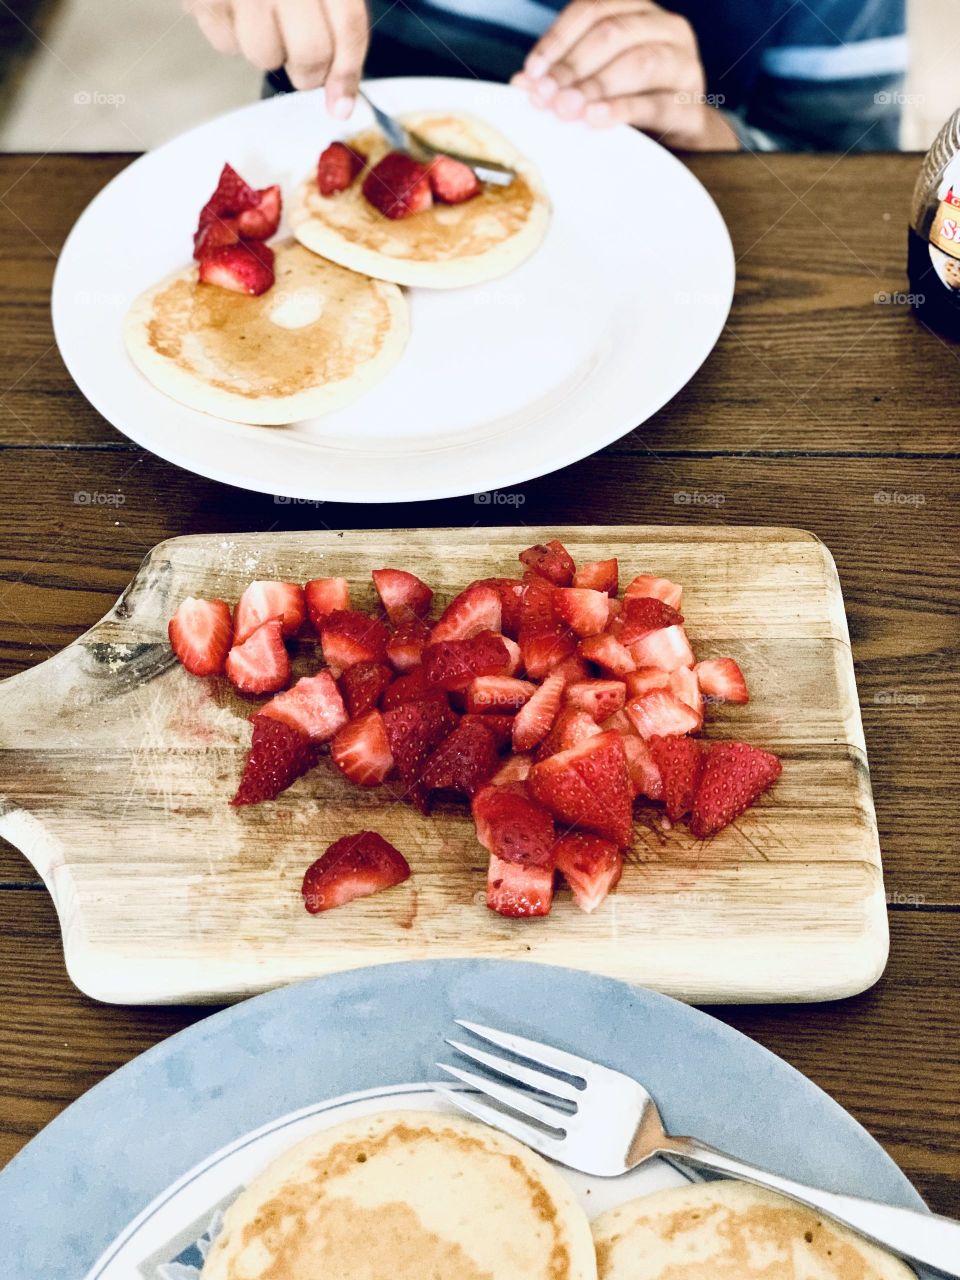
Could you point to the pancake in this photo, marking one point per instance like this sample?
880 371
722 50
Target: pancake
731 1231
405 1195
315 341
446 246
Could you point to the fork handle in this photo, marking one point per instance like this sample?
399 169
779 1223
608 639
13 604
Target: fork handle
926 1238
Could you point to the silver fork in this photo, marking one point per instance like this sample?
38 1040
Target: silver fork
604 1123
404 139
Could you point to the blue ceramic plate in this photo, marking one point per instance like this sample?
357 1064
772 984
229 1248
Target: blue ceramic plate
129 1180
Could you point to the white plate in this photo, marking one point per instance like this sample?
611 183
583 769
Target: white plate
499 383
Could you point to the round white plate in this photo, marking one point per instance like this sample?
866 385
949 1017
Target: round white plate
499 383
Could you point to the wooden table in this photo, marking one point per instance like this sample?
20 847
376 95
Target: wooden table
821 407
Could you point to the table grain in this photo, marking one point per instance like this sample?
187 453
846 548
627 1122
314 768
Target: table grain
825 405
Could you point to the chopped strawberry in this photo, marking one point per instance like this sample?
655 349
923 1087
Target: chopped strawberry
262 600
414 730
353 867
599 698
464 761
338 167
361 750
498 693
667 647
660 588
201 632
680 761
511 825
362 685
513 769
552 562
660 713
589 787
500 727
260 664
214 235
245 267
323 596
570 727
236 209
348 636
574 669
398 186
683 685
452 181
474 610
279 754
412 687
313 705
642 614
644 774
600 575
261 222
453 664
514 656
591 867
535 719
734 776
609 654
405 647
644 679
510 591
545 641
619 721
402 594
585 612
519 891
722 680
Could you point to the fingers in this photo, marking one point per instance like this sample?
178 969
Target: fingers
606 40
350 28
258 34
307 41
215 20
572 24
647 68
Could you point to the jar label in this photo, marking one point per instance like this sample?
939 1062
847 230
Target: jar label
945 231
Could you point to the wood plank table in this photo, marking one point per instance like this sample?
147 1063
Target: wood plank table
825 405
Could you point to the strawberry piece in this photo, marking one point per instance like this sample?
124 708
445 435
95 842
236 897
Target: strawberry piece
510 591
599 698
644 584
660 713
680 761
236 210
323 596
585 612
279 754
361 750
338 167
244 267
261 222
452 181
414 730
412 687
514 656
454 664
519 891
474 610
644 679
214 235
619 721
683 685
609 654
545 641
599 575
591 867
571 727
260 664
402 593
348 636
644 775
734 776
722 680
500 727
512 826
353 867
265 599
313 705
201 632
513 769
362 685
405 647
464 761
498 693
535 719
643 614
398 186
589 787
667 648
552 562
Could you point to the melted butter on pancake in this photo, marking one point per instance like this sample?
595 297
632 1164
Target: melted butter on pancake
316 326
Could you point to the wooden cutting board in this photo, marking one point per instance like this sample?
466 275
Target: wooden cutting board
116 768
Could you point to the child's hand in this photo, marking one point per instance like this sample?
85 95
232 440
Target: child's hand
626 62
316 41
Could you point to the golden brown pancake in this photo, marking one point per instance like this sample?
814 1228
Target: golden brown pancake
315 341
405 1195
731 1231
443 247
